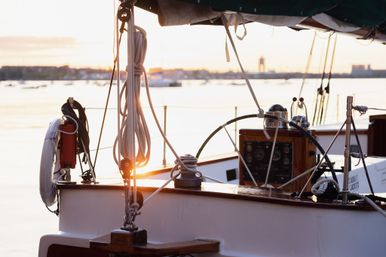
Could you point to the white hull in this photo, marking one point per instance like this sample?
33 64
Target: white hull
244 227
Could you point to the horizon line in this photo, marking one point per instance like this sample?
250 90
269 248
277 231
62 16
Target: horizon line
109 68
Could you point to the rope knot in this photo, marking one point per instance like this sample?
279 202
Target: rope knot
138 69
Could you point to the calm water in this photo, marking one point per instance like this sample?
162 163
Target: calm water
194 110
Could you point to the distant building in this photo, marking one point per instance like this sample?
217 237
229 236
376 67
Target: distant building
261 68
365 71
359 69
51 73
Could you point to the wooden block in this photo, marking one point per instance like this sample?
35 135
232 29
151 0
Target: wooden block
179 248
121 241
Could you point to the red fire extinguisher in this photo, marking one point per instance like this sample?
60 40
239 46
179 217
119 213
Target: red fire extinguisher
67 145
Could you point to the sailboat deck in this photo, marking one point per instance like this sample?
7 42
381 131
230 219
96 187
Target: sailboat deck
228 191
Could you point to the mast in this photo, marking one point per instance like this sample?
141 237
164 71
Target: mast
127 115
130 122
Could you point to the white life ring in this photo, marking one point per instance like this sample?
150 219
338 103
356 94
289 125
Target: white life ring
50 154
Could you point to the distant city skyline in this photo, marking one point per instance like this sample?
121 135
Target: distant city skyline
22 73
80 34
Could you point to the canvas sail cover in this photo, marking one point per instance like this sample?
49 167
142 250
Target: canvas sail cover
366 18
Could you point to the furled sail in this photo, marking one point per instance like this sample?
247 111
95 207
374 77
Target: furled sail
366 19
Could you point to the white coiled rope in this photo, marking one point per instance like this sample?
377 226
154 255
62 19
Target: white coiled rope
320 187
142 135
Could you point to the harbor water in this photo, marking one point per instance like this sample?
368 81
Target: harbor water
193 111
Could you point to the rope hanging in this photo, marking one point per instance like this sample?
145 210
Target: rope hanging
132 129
108 96
132 144
134 113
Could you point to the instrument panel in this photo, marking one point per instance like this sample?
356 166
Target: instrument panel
257 155
293 154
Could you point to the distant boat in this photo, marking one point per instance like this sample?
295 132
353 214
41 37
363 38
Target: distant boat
159 81
99 84
34 87
69 83
31 87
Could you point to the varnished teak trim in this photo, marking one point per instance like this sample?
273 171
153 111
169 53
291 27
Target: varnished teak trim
120 241
333 132
228 192
221 191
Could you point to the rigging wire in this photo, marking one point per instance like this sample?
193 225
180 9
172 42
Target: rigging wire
300 100
115 17
118 81
377 109
108 98
178 159
302 174
141 44
159 124
362 158
372 204
321 159
319 91
307 66
240 156
327 88
226 26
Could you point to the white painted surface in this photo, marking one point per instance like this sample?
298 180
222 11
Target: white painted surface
338 146
244 228
358 182
215 170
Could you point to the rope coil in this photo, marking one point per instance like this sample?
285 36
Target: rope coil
323 185
141 130
190 164
189 177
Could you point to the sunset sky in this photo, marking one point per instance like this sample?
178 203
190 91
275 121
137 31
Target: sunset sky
80 34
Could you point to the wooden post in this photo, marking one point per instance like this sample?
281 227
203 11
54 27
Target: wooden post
337 108
164 146
347 149
353 103
236 136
